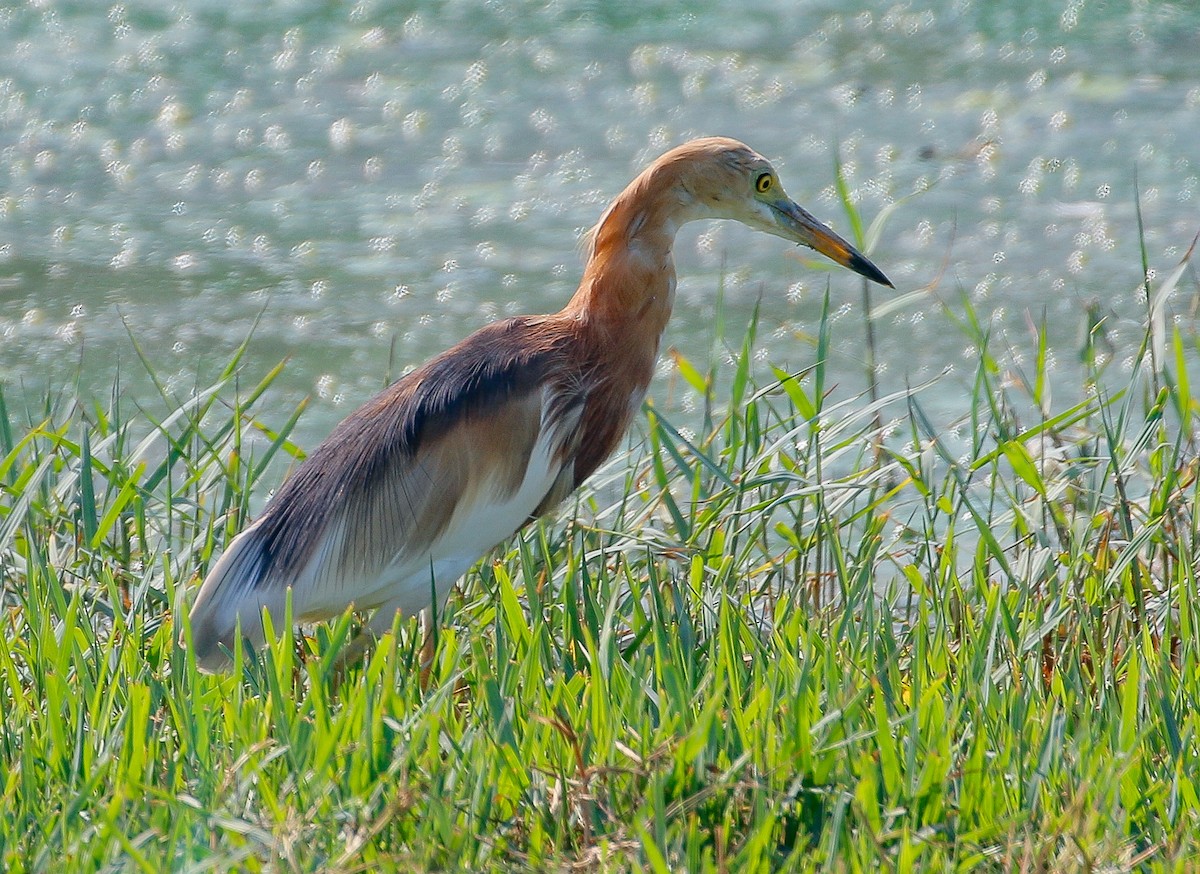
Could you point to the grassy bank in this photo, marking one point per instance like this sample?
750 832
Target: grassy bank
760 646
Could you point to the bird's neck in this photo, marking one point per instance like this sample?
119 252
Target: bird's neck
628 285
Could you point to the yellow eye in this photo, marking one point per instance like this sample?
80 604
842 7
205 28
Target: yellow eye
763 183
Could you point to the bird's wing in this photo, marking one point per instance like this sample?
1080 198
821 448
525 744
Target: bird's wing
423 520
416 484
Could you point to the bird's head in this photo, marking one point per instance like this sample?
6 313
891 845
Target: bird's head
718 177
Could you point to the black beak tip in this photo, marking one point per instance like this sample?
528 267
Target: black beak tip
862 266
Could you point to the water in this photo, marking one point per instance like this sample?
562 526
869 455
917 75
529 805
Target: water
377 175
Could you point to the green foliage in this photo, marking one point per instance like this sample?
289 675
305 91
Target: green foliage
755 647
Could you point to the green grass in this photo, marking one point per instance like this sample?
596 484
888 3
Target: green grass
761 648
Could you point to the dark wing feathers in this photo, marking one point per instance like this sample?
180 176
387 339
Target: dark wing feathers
496 363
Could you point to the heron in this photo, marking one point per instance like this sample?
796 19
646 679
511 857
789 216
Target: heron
416 485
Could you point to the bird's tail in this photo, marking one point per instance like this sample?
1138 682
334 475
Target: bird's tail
234 591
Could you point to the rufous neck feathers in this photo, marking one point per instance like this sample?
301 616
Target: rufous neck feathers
630 274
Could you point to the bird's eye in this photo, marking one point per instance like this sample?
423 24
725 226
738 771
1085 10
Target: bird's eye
763 183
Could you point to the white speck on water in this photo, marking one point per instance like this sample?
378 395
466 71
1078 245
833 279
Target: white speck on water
276 138
341 134
414 124
925 232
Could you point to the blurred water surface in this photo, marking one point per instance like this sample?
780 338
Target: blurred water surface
389 174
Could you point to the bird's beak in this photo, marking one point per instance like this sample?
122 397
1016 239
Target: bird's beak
793 222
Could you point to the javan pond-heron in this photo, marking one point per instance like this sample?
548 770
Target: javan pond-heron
416 485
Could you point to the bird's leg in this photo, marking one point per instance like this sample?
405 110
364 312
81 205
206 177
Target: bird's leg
357 650
360 647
